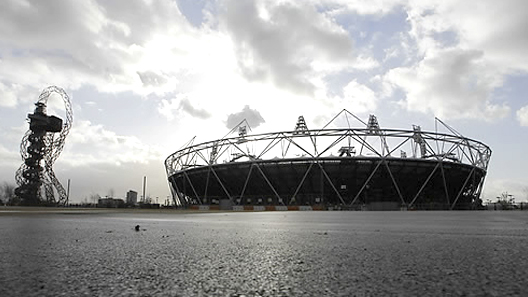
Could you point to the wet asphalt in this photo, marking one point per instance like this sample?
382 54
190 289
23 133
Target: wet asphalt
264 254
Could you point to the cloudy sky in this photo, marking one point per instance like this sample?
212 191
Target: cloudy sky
146 76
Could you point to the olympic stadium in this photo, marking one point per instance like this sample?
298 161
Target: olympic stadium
358 168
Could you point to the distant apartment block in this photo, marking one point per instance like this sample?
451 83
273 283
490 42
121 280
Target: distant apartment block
131 197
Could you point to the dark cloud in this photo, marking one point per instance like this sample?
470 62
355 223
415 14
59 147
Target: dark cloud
252 116
186 106
149 78
283 47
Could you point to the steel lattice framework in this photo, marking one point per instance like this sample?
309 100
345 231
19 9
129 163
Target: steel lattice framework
345 167
40 148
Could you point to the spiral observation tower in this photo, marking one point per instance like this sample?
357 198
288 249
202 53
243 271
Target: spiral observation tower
40 148
366 167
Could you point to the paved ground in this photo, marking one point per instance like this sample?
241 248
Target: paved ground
264 254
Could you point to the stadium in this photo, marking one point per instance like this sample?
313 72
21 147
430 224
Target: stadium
362 168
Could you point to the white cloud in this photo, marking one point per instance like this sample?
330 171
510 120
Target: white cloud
112 47
93 144
498 28
459 58
365 63
374 7
292 45
8 96
11 94
359 98
9 158
14 134
450 83
168 107
522 116
281 43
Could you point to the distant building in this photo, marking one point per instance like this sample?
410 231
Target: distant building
110 202
131 197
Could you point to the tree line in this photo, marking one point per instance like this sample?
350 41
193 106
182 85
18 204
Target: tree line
7 194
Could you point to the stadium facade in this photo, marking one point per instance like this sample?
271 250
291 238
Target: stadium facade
332 168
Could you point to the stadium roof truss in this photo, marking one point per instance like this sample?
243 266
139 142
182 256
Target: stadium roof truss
329 144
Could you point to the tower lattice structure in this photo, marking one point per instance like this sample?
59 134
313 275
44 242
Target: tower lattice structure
40 147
